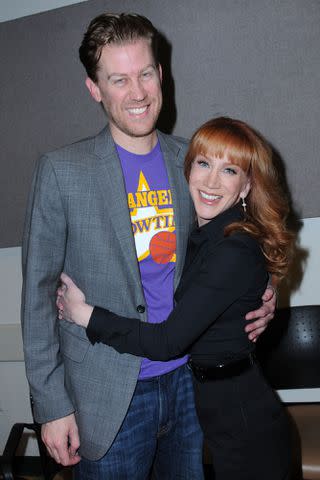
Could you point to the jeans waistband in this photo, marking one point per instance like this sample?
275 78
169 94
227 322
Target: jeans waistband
163 375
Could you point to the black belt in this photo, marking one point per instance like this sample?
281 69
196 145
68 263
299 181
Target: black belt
223 370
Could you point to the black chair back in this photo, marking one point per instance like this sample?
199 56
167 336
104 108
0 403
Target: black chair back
289 350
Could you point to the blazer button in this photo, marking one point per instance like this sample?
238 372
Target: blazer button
141 309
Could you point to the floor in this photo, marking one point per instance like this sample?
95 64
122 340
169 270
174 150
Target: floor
66 475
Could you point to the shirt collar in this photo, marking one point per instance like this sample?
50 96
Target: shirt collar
214 230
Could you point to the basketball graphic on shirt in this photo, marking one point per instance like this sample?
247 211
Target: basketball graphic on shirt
163 247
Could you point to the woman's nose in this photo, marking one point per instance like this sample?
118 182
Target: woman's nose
213 180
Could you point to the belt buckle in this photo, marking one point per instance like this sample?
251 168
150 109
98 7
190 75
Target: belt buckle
201 376
197 371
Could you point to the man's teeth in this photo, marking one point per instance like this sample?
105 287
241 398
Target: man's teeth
137 111
210 197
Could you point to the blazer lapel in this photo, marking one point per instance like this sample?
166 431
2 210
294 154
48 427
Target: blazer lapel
111 184
174 157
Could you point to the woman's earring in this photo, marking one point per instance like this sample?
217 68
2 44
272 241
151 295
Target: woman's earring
244 205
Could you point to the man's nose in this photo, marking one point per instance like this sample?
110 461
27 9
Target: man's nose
138 91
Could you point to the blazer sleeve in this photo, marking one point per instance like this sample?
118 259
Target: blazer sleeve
225 277
43 253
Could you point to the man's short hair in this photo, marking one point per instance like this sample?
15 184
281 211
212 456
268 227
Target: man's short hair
110 28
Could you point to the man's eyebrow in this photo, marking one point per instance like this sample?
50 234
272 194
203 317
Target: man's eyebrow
115 74
151 65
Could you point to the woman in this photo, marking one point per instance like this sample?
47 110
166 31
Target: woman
241 235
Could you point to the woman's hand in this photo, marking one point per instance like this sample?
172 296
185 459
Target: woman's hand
71 303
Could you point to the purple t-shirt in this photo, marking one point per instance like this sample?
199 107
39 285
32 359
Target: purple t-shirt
152 218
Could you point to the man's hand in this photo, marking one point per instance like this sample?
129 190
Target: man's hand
61 438
263 315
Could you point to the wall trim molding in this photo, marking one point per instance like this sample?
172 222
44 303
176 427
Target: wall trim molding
11 349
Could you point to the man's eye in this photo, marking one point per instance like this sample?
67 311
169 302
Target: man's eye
119 81
147 74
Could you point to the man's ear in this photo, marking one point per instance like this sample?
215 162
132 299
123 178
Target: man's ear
160 72
93 89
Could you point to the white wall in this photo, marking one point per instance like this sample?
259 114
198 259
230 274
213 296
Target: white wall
12 9
309 291
14 396
14 399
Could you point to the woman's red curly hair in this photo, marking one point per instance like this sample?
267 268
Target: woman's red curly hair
267 204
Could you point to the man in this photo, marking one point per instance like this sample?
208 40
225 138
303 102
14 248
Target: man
113 211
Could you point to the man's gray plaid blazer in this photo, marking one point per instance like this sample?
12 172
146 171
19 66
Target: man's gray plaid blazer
78 222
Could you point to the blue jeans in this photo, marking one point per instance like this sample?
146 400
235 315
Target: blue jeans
160 437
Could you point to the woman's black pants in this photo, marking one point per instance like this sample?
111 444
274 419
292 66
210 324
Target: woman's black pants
245 427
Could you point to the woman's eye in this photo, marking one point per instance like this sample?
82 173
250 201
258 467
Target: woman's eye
202 163
230 171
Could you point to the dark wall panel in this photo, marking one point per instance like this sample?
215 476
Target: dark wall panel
252 59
